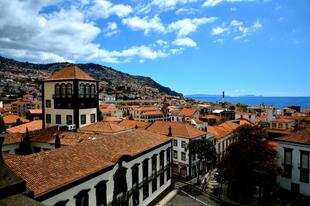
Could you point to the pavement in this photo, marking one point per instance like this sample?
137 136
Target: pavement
186 195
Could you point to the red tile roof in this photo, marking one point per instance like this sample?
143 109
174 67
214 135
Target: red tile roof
49 170
12 118
31 126
70 72
152 113
103 127
222 130
132 124
179 129
187 112
301 137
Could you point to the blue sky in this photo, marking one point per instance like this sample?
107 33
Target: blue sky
193 46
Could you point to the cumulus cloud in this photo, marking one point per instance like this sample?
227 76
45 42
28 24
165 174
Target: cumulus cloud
187 42
104 9
186 26
111 29
218 30
185 11
163 5
62 35
212 3
244 31
145 24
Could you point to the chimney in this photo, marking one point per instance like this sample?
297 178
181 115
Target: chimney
170 132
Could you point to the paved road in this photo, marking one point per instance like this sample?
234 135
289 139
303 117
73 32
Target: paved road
189 196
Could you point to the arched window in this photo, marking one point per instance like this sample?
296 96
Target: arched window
57 90
63 90
82 199
87 88
82 90
69 90
93 91
101 193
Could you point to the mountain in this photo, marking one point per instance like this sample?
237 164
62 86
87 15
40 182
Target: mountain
107 75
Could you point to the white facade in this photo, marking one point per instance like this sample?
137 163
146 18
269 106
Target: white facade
222 144
294 181
248 116
108 176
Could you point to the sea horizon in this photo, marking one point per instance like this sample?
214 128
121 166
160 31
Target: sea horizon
253 100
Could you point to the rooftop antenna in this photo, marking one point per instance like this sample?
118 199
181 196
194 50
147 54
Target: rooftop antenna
223 96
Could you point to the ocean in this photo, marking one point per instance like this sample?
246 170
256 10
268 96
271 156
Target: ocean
278 102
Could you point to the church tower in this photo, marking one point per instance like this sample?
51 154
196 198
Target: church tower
69 98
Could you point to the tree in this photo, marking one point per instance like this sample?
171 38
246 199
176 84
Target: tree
247 163
57 141
205 150
25 144
2 126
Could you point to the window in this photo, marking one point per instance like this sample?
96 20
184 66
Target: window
93 91
154 184
58 119
87 91
63 90
154 164
81 199
57 90
183 144
101 193
69 90
168 173
83 119
287 163
304 166
145 167
161 160
135 175
92 118
280 125
82 90
194 157
162 178
48 103
69 119
175 142
48 118
168 153
175 154
274 125
183 156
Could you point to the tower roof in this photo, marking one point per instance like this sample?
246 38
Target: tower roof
70 72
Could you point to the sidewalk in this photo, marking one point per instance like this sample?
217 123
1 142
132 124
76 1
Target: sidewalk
168 197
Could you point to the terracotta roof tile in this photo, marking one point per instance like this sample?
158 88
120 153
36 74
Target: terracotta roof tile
31 126
103 127
151 113
70 72
49 170
187 112
132 124
112 119
301 137
12 118
12 138
223 129
179 129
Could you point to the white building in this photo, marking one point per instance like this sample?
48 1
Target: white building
69 98
103 171
245 115
294 152
184 163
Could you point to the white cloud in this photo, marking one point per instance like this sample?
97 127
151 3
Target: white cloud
243 31
233 9
104 9
219 41
218 31
185 11
162 5
145 24
64 35
212 3
111 29
161 42
186 26
187 42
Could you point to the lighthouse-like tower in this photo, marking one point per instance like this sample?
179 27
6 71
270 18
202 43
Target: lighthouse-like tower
69 98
